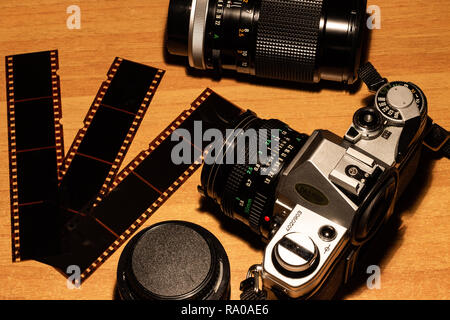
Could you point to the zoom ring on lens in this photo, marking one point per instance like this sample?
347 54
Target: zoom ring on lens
288 39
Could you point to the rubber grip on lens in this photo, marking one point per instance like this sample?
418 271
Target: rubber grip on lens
288 39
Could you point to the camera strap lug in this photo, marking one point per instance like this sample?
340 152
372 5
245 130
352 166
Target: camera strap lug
250 286
370 76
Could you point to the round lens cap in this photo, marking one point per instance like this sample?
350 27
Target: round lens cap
174 260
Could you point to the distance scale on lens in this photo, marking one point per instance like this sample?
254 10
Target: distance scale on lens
395 96
229 34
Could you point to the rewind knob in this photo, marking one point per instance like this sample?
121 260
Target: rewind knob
296 253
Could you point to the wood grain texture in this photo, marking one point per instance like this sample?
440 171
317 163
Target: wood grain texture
413 44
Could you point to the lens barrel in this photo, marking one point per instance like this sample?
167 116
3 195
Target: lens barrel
178 27
295 40
245 191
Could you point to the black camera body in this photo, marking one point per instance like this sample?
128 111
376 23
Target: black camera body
327 197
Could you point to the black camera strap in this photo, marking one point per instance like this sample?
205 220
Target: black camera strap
438 140
370 76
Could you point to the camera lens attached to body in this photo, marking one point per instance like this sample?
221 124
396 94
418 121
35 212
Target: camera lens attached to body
246 191
295 40
174 260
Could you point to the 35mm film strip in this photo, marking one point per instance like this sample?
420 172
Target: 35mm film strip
109 127
36 148
87 212
45 189
140 189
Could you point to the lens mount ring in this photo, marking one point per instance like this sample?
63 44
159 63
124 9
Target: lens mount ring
197 28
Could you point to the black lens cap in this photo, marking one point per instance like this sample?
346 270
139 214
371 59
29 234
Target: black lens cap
174 260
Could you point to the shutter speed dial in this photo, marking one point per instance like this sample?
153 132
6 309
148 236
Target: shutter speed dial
398 101
399 97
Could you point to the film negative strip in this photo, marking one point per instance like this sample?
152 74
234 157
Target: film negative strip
45 189
36 149
142 187
109 127
81 214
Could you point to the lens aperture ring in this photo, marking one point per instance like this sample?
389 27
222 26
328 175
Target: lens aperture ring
288 39
232 188
258 209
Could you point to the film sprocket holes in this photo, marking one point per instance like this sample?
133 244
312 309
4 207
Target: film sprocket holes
47 192
328 195
68 225
295 40
35 140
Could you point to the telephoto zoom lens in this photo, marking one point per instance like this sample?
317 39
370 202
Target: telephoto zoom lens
295 40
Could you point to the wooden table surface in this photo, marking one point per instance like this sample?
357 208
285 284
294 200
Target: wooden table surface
413 44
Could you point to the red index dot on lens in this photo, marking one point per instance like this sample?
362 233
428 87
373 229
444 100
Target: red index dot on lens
267 218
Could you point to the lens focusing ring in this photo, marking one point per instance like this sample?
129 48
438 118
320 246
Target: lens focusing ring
288 39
